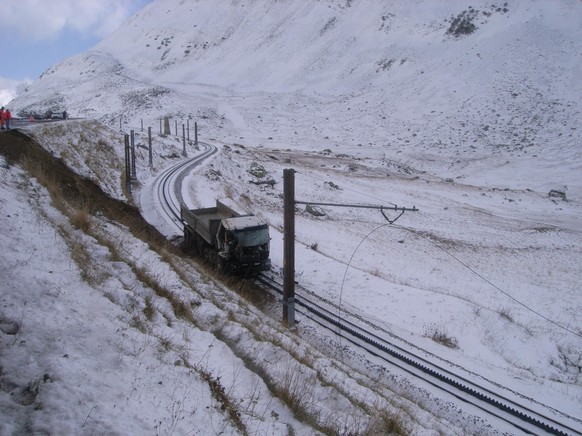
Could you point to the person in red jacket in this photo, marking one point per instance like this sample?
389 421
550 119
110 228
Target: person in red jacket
2 117
7 118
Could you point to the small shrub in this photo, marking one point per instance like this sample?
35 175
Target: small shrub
462 24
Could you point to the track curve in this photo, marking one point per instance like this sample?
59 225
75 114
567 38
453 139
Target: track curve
166 188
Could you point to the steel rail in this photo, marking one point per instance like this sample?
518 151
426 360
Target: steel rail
469 391
169 182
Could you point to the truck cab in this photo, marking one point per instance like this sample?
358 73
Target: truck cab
243 244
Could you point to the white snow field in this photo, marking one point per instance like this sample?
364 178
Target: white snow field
371 102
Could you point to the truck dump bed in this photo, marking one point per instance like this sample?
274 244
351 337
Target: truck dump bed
205 221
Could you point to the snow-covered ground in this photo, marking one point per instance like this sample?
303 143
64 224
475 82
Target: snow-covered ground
369 103
88 347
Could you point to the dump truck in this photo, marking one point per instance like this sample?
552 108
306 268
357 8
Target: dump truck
234 242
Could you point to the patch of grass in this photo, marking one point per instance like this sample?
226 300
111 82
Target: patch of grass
440 336
83 259
166 343
444 339
384 422
219 393
297 390
149 310
81 219
138 323
505 313
181 309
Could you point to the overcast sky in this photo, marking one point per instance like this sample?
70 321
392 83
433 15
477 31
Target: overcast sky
36 34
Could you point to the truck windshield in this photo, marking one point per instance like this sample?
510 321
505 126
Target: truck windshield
252 238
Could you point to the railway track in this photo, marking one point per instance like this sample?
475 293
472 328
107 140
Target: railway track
524 414
167 185
520 412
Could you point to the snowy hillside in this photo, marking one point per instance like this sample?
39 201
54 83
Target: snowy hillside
470 113
390 74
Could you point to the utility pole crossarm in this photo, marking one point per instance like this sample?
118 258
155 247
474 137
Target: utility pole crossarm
394 208
363 206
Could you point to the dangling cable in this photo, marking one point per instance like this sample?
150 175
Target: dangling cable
346 272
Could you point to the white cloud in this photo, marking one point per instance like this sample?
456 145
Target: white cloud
9 89
36 20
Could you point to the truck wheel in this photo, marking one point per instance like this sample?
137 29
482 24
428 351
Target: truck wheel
187 239
221 265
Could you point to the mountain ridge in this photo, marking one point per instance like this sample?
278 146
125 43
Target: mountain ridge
489 78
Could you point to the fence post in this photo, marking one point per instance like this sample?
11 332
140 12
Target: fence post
195 133
184 139
127 165
132 142
150 145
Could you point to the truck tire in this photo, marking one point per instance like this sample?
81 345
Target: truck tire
221 265
187 239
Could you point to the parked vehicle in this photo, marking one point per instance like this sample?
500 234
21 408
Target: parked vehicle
233 242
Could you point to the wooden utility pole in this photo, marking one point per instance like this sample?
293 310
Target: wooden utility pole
195 133
289 203
289 247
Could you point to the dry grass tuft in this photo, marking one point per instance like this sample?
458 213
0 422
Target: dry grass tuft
505 313
149 310
440 336
81 219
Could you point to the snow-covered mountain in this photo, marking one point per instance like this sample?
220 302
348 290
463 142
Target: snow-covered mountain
494 75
